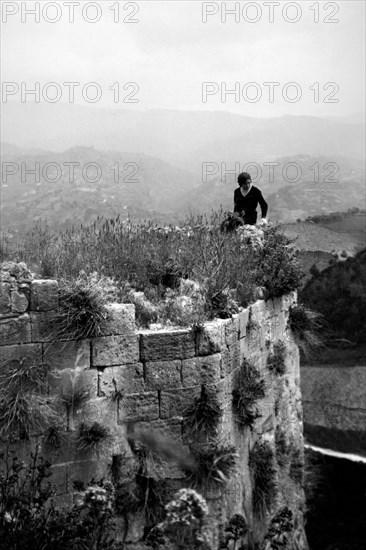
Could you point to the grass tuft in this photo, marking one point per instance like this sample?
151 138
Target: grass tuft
276 359
213 466
24 409
306 325
263 471
203 416
90 436
82 308
248 389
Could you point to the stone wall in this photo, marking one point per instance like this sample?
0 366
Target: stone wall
146 379
334 400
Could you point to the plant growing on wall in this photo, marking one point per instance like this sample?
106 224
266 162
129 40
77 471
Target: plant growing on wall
235 529
213 466
73 395
279 534
185 519
91 436
306 325
82 307
297 466
248 389
29 518
203 416
278 269
283 447
276 359
263 472
25 409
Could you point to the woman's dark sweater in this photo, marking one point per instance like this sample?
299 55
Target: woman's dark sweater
249 203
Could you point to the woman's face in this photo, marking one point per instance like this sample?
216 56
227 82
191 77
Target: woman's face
245 186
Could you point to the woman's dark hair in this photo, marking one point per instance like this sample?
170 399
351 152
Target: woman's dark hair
243 177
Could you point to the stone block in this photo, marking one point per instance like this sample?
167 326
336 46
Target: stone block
166 346
174 402
124 378
136 407
164 439
288 300
115 350
5 298
67 355
19 302
44 295
281 326
163 374
258 312
45 326
79 470
120 320
254 339
73 391
232 330
15 270
26 354
211 339
15 330
170 428
201 370
243 321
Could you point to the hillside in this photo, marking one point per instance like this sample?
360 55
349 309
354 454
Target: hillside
183 138
339 293
312 237
147 188
350 224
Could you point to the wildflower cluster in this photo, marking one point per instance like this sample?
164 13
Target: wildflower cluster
280 530
97 497
188 507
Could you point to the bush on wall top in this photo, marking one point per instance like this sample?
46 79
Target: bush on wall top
228 267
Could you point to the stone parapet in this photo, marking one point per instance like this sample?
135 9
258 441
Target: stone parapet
135 387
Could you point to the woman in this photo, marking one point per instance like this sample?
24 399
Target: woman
246 199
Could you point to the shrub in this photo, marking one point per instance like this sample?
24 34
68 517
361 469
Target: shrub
278 268
248 388
203 416
227 266
306 325
276 359
261 464
29 518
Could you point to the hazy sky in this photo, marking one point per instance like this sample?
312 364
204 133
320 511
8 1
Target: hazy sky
170 52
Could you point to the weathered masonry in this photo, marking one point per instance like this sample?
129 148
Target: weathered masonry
150 378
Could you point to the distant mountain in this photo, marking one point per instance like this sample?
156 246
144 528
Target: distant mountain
149 187
183 138
137 186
